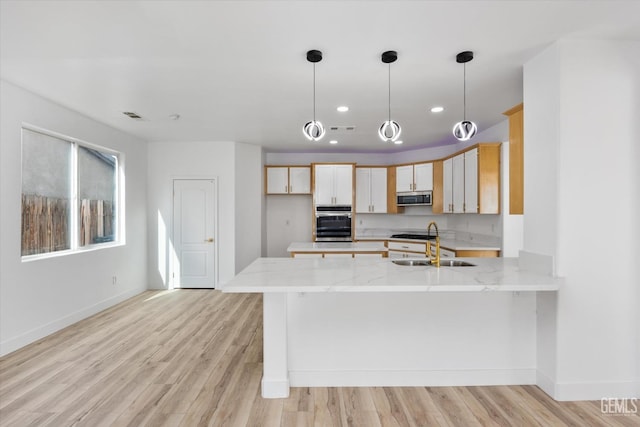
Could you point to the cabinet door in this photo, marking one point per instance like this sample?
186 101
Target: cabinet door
404 178
277 180
458 184
379 190
447 186
324 191
300 180
471 181
423 176
343 184
363 190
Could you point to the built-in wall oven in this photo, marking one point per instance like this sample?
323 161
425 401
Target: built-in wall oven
333 223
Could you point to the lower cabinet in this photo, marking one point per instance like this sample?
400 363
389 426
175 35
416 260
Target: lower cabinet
407 249
449 253
380 254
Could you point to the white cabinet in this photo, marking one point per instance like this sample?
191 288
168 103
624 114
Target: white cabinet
401 249
458 184
371 190
423 176
288 179
333 184
447 185
453 184
404 178
277 180
471 181
418 177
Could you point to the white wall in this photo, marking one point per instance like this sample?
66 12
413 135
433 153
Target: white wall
581 110
249 204
40 297
288 219
238 169
172 160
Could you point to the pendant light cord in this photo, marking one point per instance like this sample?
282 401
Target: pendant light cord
314 91
464 91
389 91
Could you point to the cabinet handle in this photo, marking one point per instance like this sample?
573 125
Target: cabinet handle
286 189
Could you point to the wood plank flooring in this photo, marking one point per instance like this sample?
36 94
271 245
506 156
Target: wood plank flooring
194 358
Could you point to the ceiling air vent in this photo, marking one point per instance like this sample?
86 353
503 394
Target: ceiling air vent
342 129
132 115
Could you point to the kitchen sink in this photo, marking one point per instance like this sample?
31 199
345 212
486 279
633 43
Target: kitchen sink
412 262
455 263
425 262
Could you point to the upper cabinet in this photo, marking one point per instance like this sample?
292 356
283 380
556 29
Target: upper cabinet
371 190
333 184
288 179
470 181
417 177
516 159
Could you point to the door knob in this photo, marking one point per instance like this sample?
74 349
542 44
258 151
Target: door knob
209 240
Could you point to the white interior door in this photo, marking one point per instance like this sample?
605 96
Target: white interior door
194 233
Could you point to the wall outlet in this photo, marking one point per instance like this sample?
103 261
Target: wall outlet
114 280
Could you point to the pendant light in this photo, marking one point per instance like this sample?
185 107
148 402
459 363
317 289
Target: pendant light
389 130
313 130
464 130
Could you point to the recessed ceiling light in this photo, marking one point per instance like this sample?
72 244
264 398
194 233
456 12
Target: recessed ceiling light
174 116
398 142
333 141
343 108
437 109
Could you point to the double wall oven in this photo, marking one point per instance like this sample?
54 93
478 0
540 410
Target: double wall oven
333 223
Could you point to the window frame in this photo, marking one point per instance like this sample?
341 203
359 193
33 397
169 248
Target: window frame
74 199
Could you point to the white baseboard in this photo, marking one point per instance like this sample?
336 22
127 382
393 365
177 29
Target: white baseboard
412 378
545 383
596 391
275 388
15 343
587 391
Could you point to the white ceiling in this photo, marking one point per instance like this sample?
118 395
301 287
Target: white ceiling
237 70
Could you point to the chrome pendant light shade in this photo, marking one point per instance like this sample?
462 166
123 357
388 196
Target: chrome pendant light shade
389 130
314 130
464 130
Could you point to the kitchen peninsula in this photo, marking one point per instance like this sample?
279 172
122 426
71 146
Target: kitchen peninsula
371 322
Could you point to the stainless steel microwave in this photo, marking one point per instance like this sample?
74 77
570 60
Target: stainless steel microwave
414 198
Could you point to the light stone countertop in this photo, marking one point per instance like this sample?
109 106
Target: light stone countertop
336 247
447 239
453 244
266 275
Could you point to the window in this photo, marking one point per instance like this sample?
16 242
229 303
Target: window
69 193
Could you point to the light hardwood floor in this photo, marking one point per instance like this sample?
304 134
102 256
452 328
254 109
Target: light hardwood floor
193 357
